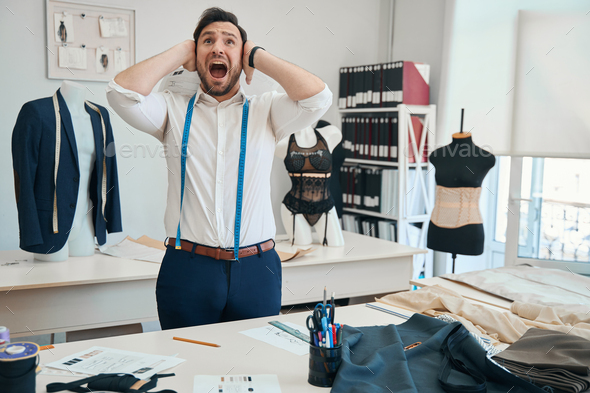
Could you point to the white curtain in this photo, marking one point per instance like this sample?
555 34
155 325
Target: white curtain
551 114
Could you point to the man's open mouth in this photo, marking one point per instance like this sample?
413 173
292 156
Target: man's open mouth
217 69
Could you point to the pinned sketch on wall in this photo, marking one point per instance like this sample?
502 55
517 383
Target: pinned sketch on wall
63 27
88 42
112 27
72 58
120 60
102 60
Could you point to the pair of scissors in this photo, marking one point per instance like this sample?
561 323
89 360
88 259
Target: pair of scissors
314 323
324 310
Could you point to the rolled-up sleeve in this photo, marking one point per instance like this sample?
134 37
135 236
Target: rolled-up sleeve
146 113
288 116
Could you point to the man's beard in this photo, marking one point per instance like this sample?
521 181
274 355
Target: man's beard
211 89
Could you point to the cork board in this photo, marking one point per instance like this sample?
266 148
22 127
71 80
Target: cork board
88 42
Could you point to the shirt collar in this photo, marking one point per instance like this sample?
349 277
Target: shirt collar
240 96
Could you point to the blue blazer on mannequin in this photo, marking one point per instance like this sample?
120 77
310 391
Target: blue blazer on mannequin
33 159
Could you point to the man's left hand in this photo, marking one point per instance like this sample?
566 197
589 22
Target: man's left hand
249 71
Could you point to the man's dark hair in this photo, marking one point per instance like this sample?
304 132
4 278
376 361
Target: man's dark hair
215 14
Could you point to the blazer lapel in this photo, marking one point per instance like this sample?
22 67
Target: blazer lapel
66 122
98 145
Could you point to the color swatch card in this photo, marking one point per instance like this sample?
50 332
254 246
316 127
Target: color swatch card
236 384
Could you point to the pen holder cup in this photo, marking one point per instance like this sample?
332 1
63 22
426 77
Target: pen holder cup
323 365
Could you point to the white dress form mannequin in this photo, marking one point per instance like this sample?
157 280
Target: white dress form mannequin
306 138
81 236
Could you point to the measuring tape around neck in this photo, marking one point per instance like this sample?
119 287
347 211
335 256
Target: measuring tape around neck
240 185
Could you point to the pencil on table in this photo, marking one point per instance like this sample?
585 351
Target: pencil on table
195 342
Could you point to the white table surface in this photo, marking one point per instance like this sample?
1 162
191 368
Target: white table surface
238 353
357 247
102 291
100 268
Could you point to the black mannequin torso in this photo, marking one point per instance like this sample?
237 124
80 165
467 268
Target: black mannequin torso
459 164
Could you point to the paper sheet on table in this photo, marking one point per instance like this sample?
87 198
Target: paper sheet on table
143 249
279 338
61 373
98 360
288 255
266 383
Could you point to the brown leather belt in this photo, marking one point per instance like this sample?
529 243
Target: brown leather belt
222 253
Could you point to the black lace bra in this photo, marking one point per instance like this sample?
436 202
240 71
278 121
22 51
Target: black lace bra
316 159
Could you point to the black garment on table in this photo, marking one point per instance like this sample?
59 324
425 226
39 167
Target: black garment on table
109 382
309 195
550 358
374 360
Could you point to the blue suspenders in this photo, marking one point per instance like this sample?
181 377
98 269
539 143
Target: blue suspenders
243 139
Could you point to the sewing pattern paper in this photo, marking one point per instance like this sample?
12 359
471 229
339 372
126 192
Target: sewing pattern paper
72 58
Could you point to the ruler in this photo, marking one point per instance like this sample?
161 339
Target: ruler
290 330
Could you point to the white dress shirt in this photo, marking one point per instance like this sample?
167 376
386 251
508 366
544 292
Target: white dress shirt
209 206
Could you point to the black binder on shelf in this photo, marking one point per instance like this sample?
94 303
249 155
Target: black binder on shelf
393 153
375 139
383 139
342 90
386 91
369 82
358 131
358 78
365 126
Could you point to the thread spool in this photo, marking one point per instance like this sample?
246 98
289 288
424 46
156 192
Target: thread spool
4 334
18 366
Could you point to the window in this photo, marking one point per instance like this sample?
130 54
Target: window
550 216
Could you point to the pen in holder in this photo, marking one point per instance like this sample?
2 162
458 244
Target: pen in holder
323 365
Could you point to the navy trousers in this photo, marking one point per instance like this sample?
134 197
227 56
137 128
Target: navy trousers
195 289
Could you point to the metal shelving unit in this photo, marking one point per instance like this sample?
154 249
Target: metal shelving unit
423 180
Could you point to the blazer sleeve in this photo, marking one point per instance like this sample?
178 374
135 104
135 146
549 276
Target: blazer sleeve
26 138
113 205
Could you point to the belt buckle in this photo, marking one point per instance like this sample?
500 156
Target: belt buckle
232 252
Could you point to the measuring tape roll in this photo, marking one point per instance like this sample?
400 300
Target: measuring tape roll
18 366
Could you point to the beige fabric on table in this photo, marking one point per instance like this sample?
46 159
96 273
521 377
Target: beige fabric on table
527 284
456 207
500 326
554 315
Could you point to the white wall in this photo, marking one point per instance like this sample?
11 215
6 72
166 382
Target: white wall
418 36
298 34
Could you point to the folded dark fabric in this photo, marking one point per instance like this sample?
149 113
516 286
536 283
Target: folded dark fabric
550 349
448 359
550 359
550 378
